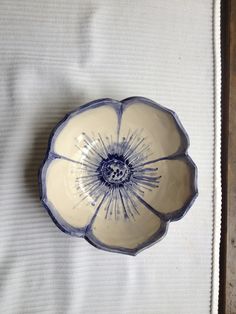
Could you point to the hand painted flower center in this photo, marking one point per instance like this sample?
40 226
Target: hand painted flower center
118 170
115 170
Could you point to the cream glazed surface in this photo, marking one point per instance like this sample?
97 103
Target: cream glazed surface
117 172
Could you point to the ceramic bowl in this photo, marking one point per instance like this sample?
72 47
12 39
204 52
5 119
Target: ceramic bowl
117 172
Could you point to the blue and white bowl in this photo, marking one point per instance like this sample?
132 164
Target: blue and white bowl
117 172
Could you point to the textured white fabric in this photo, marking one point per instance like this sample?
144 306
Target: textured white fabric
57 55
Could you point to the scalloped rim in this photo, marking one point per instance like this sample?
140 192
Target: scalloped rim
85 232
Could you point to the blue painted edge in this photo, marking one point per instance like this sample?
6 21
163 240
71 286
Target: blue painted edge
156 237
86 231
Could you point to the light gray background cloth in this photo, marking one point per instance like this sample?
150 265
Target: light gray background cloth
56 56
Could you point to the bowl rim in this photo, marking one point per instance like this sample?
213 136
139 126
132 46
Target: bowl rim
85 232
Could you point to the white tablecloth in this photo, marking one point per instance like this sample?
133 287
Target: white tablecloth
57 55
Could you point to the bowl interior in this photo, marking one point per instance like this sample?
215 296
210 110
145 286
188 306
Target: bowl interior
117 173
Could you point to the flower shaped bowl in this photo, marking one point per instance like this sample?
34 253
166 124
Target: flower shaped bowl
117 172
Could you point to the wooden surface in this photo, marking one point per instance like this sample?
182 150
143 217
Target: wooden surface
228 247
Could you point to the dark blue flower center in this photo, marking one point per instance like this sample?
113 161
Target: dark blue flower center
115 170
